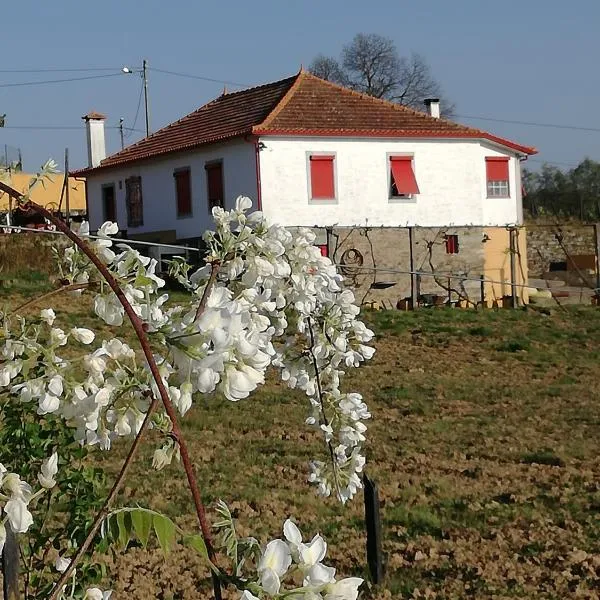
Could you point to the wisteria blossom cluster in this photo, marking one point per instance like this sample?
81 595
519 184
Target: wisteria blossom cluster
16 495
272 300
294 569
264 297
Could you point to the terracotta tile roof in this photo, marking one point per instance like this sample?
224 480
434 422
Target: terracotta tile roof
299 105
316 107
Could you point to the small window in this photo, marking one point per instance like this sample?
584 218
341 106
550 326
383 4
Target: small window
451 244
183 192
109 208
403 183
214 179
134 202
322 177
497 177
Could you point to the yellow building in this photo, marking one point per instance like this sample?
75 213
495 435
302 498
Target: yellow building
48 193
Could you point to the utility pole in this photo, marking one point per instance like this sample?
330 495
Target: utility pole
145 76
121 132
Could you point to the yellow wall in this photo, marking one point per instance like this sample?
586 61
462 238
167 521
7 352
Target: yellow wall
48 194
497 264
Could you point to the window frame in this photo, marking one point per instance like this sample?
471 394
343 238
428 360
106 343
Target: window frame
177 173
322 201
497 188
404 198
208 165
129 182
107 186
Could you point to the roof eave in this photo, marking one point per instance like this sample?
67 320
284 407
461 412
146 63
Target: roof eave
399 133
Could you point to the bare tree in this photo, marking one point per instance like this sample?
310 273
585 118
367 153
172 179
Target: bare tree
371 64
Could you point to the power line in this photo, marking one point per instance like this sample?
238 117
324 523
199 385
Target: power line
54 70
137 112
60 127
50 81
202 78
531 123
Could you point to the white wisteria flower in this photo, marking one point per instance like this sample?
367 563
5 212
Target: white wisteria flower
83 335
47 472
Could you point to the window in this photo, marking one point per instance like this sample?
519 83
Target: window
214 178
403 183
497 177
183 192
133 200
451 244
109 208
322 177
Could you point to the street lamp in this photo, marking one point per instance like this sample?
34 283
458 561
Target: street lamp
144 73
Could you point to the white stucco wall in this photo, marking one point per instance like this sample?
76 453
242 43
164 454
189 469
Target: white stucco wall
158 188
451 175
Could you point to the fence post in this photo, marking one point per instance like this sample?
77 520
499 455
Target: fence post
373 525
597 245
512 233
482 289
414 294
10 565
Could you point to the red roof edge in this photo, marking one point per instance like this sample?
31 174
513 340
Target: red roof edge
399 133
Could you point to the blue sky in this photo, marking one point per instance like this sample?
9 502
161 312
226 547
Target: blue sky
533 60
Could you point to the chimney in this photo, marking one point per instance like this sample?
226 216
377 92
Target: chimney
433 107
94 124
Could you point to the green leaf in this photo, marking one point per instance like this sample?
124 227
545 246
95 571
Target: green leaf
124 525
142 524
197 543
165 532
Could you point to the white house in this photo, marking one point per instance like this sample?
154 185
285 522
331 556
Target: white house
310 153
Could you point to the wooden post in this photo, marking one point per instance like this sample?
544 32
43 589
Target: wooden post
449 292
10 565
482 289
373 525
67 186
414 295
597 245
512 233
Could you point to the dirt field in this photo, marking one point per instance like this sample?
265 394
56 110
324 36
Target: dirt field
484 444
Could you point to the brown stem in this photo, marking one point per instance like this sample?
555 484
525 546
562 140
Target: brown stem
65 288
214 270
164 396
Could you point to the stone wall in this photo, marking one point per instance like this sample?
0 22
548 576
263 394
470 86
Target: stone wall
544 252
385 257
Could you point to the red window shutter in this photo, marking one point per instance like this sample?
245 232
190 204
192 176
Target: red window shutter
214 176
496 168
403 174
323 249
321 177
452 244
183 189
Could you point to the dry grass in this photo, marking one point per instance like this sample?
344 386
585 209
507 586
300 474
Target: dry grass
483 443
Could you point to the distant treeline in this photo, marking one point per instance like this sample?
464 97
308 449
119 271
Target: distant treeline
553 192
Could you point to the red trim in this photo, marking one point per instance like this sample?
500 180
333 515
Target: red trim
399 133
